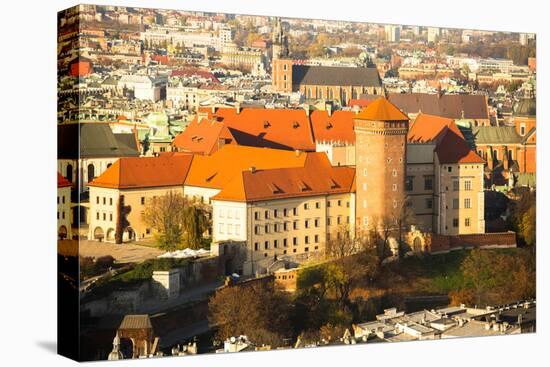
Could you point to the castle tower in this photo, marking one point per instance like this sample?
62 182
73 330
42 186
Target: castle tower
380 152
281 65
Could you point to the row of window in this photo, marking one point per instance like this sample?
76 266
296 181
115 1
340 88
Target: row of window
62 199
467 203
276 213
308 223
467 185
467 222
231 213
103 200
284 242
428 183
61 215
104 216
230 229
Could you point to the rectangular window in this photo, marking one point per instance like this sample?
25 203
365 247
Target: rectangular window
306 206
266 214
143 200
104 200
468 185
266 245
266 228
237 214
467 203
256 246
256 230
449 169
294 211
63 199
316 238
97 215
455 222
328 221
285 212
257 215
317 205
221 213
220 228
110 201
110 217
229 213
229 229
409 183
317 222
237 229
456 186
306 249
97 199
339 202
455 203
104 216
285 226
295 225
429 203
284 242
275 243
306 239
328 203
306 223
339 219
294 241
428 183
467 222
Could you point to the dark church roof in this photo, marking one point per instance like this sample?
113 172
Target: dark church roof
526 107
496 135
93 140
335 75
454 106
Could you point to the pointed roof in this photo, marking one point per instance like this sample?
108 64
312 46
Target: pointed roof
429 128
382 110
135 172
452 148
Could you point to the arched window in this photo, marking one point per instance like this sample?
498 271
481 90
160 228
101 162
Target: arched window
330 95
69 173
91 172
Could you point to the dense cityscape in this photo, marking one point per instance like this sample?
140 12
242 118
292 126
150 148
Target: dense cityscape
233 183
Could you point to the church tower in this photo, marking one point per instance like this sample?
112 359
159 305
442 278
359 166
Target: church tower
281 65
380 154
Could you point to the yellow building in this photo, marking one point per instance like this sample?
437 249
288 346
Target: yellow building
64 230
444 180
132 182
285 214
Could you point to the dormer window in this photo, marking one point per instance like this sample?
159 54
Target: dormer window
295 125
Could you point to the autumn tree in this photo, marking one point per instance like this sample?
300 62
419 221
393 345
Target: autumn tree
177 220
258 311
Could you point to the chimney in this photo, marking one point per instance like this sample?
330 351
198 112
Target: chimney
329 109
238 107
252 169
297 152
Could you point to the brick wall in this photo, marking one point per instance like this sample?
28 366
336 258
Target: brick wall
441 243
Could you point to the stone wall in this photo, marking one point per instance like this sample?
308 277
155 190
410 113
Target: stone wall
435 243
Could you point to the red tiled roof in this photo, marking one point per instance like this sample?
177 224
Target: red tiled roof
203 137
62 181
316 177
271 128
338 127
382 110
216 170
452 148
194 71
427 128
136 172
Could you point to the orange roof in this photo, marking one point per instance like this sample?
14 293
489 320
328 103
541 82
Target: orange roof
316 177
62 181
360 102
382 110
427 128
136 172
452 148
338 127
218 169
202 137
271 128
